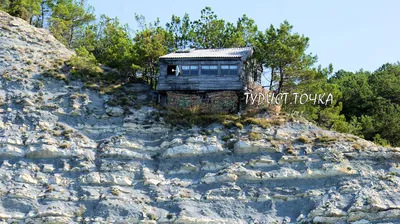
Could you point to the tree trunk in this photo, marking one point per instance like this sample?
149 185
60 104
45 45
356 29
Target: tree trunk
71 35
152 77
272 78
281 79
155 83
151 83
42 9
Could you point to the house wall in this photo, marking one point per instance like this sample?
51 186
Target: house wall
201 82
207 103
202 93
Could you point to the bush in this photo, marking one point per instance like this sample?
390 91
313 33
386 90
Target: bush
84 64
151 216
65 145
225 138
304 139
56 75
120 101
380 141
325 139
187 118
262 122
290 150
114 191
239 125
357 147
254 136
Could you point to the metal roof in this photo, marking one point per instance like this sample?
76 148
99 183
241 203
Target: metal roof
211 53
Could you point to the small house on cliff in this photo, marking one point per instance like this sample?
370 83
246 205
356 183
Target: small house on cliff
193 76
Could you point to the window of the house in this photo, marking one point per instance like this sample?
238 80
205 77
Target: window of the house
229 69
194 70
209 70
171 70
185 70
190 70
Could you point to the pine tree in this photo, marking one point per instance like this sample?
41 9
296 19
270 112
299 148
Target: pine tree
25 9
68 20
284 54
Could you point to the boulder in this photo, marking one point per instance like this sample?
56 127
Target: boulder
115 111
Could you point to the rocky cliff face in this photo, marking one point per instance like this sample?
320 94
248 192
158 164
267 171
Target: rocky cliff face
65 156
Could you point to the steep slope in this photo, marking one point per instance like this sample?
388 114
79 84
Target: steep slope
65 156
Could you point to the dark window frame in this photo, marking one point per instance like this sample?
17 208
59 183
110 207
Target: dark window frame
170 68
209 70
230 70
189 70
184 70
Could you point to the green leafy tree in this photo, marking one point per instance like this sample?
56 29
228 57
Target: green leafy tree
114 44
386 82
246 32
293 72
150 43
325 113
209 30
181 32
45 13
371 102
285 55
25 9
68 19
386 117
84 64
4 4
357 93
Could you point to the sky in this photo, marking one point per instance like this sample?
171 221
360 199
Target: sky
350 34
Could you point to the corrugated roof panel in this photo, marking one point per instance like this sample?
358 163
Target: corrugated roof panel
211 53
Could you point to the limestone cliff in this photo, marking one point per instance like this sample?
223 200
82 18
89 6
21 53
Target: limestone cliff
66 157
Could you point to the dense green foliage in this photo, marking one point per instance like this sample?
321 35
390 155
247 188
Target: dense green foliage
68 19
28 10
284 53
84 64
364 103
371 102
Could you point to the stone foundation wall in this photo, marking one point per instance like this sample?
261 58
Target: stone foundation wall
211 102
259 103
